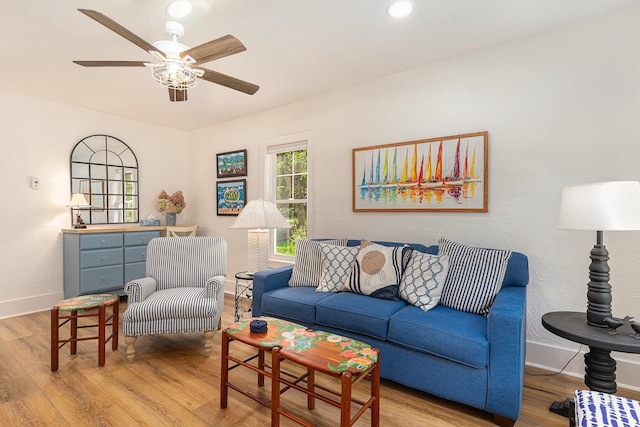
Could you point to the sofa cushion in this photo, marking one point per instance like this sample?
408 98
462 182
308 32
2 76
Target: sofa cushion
377 270
357 313
336 266
474 278
423 280
294 303
444 332
307 270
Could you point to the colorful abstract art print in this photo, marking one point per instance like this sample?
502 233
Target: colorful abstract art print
232 163
445 174
231 196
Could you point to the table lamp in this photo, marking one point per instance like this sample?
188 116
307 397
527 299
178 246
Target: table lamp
602 206
258 216
78 201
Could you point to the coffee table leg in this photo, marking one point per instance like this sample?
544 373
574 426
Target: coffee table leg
114 327
101 334
54 339
345 407
261 367
311 377
224 370
275 387
375 392
74 332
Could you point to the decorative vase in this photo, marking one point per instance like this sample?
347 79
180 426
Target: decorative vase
171 219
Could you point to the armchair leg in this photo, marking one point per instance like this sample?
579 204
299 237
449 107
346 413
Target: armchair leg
131 348
208 342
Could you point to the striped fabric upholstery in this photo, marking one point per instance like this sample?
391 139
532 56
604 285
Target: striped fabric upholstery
184 288
307 270
475 276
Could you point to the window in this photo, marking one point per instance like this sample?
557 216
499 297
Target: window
288 183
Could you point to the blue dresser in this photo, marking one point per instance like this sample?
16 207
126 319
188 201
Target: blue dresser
102 260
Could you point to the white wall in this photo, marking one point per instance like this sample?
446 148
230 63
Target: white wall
561 108
37 137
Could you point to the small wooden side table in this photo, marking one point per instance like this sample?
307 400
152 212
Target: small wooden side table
244 293
78 307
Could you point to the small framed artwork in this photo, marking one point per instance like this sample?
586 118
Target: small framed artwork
231 196
232 163
444 174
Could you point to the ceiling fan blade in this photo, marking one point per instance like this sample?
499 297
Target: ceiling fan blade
110 63
218 48
177 95
118 29
228 81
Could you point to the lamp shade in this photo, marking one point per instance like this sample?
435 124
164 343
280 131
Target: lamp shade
260 214
78 201
601 206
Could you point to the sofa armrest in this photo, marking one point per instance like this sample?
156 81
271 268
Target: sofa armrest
138 290
506 332
267 280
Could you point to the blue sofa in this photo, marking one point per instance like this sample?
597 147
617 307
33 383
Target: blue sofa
459 356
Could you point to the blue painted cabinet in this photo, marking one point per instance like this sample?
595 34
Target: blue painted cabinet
102 260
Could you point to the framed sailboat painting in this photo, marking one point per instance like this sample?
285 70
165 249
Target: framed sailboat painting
445 174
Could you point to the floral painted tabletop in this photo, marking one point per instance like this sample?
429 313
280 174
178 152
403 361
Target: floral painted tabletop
83 302
322 351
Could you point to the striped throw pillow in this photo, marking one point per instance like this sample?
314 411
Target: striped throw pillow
307 270
475 276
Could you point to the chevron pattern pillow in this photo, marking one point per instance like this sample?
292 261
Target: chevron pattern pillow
336 266
423 280
378 270
475 276
307 270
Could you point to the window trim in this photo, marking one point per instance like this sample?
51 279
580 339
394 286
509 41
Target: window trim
272 146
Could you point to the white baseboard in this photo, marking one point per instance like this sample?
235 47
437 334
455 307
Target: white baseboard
35 304
554 358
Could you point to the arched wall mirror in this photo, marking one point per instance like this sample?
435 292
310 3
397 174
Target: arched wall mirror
105 170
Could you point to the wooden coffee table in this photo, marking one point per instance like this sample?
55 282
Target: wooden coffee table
318 351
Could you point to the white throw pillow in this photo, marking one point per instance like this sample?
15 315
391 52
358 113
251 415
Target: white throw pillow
336 266
423 280
378 269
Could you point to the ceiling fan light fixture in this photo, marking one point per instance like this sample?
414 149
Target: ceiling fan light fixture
400 9
179 9
175 74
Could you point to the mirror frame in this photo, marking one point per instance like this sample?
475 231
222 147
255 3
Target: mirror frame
105 169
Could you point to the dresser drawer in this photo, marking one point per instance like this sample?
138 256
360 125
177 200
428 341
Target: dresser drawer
134 271
100 258
135 254
99 279
137 238
100 240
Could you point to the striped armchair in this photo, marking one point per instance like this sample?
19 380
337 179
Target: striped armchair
183 290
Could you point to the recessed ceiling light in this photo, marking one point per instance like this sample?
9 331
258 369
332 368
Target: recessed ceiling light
400 9
179 9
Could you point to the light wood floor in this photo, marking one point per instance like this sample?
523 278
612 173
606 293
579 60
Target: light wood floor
171 383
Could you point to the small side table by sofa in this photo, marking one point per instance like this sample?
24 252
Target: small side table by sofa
244 293
78 308
600 367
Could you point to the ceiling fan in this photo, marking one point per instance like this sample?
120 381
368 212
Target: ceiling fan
178 66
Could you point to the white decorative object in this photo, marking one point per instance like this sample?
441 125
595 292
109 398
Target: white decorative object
258 216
